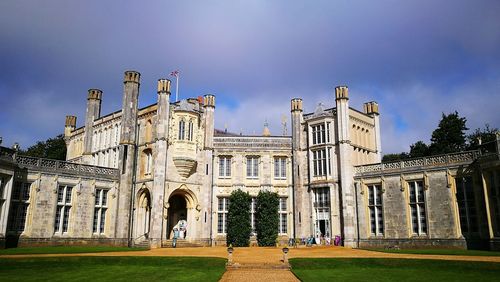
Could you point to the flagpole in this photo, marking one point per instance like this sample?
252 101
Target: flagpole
177 87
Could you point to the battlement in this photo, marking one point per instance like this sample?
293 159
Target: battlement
341 92
296 104
370 108
132 76
70 121
95 94
163 86
209 100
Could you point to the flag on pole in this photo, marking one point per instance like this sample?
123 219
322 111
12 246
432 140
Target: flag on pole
175 73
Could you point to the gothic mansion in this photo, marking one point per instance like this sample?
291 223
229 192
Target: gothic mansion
131 176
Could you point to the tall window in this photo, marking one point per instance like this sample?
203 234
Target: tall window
190 131
252 167
282 211
223 207
375 207
3 182
252 215
19 206
148 161
280 168
318 134
417 207
63 208
100 208
320 162
466 205
224 166
322 211
182 129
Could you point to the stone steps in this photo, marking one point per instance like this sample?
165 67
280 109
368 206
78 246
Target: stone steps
180 244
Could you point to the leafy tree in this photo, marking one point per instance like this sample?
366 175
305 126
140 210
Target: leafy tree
52 148
267 218
394 157
238 219
449 136
486 135
419 149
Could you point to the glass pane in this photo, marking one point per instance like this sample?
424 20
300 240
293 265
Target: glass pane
68 194
104 197
103 220
60 194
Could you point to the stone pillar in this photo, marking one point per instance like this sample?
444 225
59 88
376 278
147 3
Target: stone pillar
348 210
209 105
69 127
127 158
301 205
93 112
371 108
159 203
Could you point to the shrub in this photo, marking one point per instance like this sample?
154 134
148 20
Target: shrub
267 218
238 219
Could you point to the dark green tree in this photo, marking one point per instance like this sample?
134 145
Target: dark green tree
267 218
486 135
238 219
449 136
419 149
52 148
394 157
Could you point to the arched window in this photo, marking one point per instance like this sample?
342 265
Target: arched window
182 129
149 131
147 162
190 131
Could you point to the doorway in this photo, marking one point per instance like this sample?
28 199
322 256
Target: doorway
177 216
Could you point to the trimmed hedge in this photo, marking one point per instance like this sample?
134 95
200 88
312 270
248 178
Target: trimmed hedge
238 219
267 218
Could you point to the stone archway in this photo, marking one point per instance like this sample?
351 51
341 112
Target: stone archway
181 206
143 213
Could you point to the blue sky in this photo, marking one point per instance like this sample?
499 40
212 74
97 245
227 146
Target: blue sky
416 58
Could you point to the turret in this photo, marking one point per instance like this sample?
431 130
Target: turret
297 118
345 172
266 132
371 109
163 108
94 100
128 148
209 105
69 126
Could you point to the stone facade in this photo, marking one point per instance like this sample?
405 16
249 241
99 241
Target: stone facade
134 175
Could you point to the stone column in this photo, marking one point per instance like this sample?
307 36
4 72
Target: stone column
159 203
345 168
127 158
93 112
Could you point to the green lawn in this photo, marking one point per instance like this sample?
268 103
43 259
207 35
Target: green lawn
112 269
456 252
65 250
361 269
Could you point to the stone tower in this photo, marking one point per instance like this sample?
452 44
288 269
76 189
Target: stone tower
302 226
158 214
348 208
127 158
371 109
94 100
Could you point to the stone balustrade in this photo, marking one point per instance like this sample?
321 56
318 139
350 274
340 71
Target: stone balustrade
56 166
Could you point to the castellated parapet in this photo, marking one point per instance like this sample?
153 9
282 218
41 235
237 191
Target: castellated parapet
296 104
163 86
95 94
209 100
341 92
132 76
371 108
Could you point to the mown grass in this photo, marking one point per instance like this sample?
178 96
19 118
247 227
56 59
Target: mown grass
454 252
112 269
65 250
368 269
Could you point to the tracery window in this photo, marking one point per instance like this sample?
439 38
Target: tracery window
20 201
63 208
222 210
100 209
224 166
375 209
280 168
253 167
417 207
182 129
282 211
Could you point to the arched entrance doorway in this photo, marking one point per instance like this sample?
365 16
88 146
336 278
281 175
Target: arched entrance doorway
177 212
143 213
